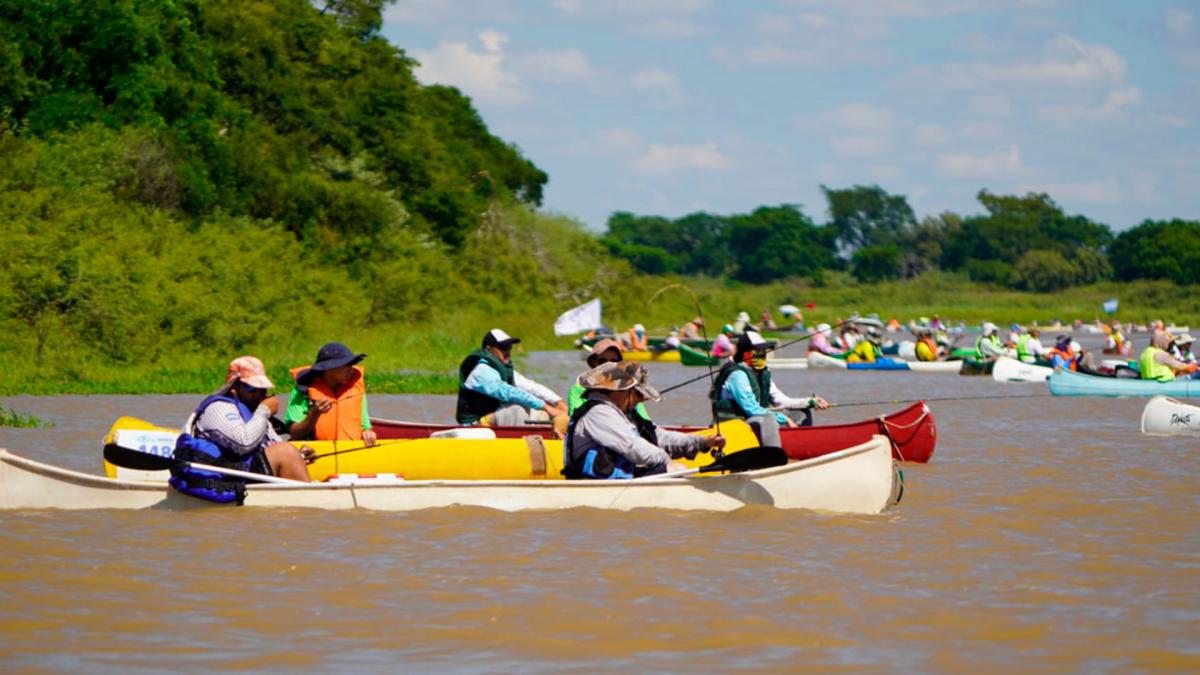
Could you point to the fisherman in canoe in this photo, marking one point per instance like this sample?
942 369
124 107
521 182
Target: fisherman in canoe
743 390
329 402
693 328
232 429
1182 351
1115 341
926 349
604 351
820 341
605 439
1029 345
988 344
1062 355
492 393
635 338
867 350
1156 362
723 345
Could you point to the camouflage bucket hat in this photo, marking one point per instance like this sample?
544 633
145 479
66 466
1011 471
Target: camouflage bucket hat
619 376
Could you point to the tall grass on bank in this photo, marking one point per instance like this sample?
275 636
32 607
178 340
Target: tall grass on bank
12 418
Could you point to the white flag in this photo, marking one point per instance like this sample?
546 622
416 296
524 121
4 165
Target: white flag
582 318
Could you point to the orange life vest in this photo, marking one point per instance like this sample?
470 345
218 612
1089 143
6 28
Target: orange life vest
344 420
1068 356
637 344
931 345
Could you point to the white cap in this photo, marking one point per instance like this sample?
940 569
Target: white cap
1076 347
824 328
989 328
639 327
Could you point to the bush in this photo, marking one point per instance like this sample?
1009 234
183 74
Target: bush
1158 250
875 263
1043 271
988 271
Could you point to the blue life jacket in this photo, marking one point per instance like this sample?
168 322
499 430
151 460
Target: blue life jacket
210 485
600 462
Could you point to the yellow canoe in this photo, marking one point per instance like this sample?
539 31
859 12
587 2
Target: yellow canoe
412 458
669 356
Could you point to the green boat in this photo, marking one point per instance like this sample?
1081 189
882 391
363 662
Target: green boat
689 356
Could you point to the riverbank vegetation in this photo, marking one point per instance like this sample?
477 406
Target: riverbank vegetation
186 182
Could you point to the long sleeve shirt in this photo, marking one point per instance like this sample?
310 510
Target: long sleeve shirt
738 388
820 343
722 346
606 426
222 424
523 391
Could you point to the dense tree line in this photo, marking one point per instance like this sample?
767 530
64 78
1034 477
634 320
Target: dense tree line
1026 242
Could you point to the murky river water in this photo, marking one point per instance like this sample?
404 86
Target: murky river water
1047 533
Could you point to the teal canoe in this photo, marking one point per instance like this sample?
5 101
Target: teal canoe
1067 383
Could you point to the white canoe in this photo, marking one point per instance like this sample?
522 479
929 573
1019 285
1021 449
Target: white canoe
819 360
1165 416
1011 370
861 479
787 363
935 366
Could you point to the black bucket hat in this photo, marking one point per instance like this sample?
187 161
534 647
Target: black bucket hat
330 356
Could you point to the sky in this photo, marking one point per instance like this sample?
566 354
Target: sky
668 107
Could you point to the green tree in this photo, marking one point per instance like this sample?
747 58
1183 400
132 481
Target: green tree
876 263
1158 249
868 216
1043 271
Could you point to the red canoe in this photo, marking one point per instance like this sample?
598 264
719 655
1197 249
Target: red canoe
912 431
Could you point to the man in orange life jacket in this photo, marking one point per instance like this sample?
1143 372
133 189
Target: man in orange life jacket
329 402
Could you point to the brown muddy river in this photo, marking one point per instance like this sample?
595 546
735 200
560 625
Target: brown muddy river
1046 533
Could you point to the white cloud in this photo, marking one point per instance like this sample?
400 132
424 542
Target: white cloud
660 87
981 131
999 165
862 117
566 66
1106 191
481 75
859 146
607 143
932 134
992 105
1179 21
1067 62
1113 104
664 159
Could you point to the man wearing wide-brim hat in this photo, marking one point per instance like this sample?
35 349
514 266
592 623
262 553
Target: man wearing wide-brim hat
606 439
329 402
492 393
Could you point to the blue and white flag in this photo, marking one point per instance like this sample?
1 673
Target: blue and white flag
582 318
1110 307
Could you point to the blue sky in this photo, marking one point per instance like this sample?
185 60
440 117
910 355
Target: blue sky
667 107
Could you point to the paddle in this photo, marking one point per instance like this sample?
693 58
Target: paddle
762 457
144 461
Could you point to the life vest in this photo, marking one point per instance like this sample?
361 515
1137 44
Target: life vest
601 462
637 343
342 422
1151 369
472 404
728 408
210 485
1067 356
926 349
577 396
1023 348
992 339
865 352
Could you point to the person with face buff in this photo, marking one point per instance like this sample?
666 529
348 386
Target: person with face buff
232 429
606 439
329 402
743 390
492 393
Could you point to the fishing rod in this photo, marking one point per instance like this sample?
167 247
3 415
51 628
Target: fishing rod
703 331
927 400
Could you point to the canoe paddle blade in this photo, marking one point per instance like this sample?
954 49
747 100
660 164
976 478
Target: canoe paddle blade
136 459
762 457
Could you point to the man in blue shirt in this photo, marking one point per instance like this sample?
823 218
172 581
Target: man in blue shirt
492 393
